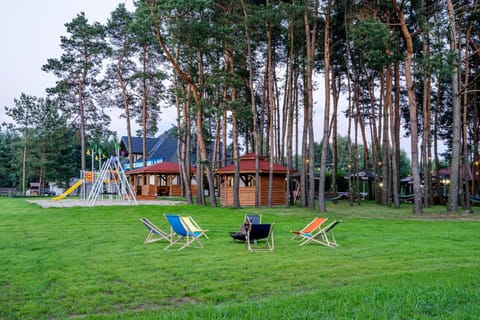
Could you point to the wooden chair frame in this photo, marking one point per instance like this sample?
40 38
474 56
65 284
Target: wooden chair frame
155 233
260 233
310 228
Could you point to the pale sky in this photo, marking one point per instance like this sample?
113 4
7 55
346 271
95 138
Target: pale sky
30 33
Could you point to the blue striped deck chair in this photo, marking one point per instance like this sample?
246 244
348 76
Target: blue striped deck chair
185 236
321 236
155 233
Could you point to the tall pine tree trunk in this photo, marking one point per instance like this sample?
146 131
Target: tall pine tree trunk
452 204
326 116
252 102
417 206
310 37
197 97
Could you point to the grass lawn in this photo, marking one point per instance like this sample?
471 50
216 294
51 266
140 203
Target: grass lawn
91 263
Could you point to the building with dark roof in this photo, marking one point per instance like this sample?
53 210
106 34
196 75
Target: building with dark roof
161 149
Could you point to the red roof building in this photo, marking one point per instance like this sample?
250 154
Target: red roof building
161 179
248 183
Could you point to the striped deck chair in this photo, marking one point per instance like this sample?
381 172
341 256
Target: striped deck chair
321 236
185 236
155 233
193 226
310 228
259 233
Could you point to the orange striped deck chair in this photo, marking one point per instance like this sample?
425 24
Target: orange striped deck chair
321 236
310 228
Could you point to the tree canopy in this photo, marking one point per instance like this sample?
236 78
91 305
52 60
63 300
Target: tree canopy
244 76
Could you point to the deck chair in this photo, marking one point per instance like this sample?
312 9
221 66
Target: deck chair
310 228
321 236
248 220
254 218
193 226
155 233
185 236
259 233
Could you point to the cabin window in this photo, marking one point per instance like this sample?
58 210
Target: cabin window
247 181
162 180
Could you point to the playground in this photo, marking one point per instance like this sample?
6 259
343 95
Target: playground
106 186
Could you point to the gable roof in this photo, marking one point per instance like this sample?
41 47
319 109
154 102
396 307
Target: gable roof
137 144
164 147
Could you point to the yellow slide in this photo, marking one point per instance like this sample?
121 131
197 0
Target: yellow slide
69 190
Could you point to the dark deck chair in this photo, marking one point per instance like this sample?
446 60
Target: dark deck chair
260 238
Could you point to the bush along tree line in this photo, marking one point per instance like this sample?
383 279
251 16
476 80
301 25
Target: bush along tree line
241 77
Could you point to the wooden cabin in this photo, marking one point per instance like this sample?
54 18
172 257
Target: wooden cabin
161 179
247 182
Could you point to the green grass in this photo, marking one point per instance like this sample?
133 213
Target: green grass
91 263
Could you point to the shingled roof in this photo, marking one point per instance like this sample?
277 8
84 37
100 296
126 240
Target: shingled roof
164 147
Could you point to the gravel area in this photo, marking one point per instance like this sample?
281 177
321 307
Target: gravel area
47 203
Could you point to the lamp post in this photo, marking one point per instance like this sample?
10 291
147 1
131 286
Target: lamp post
90 152
100 154
445 183
475 178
